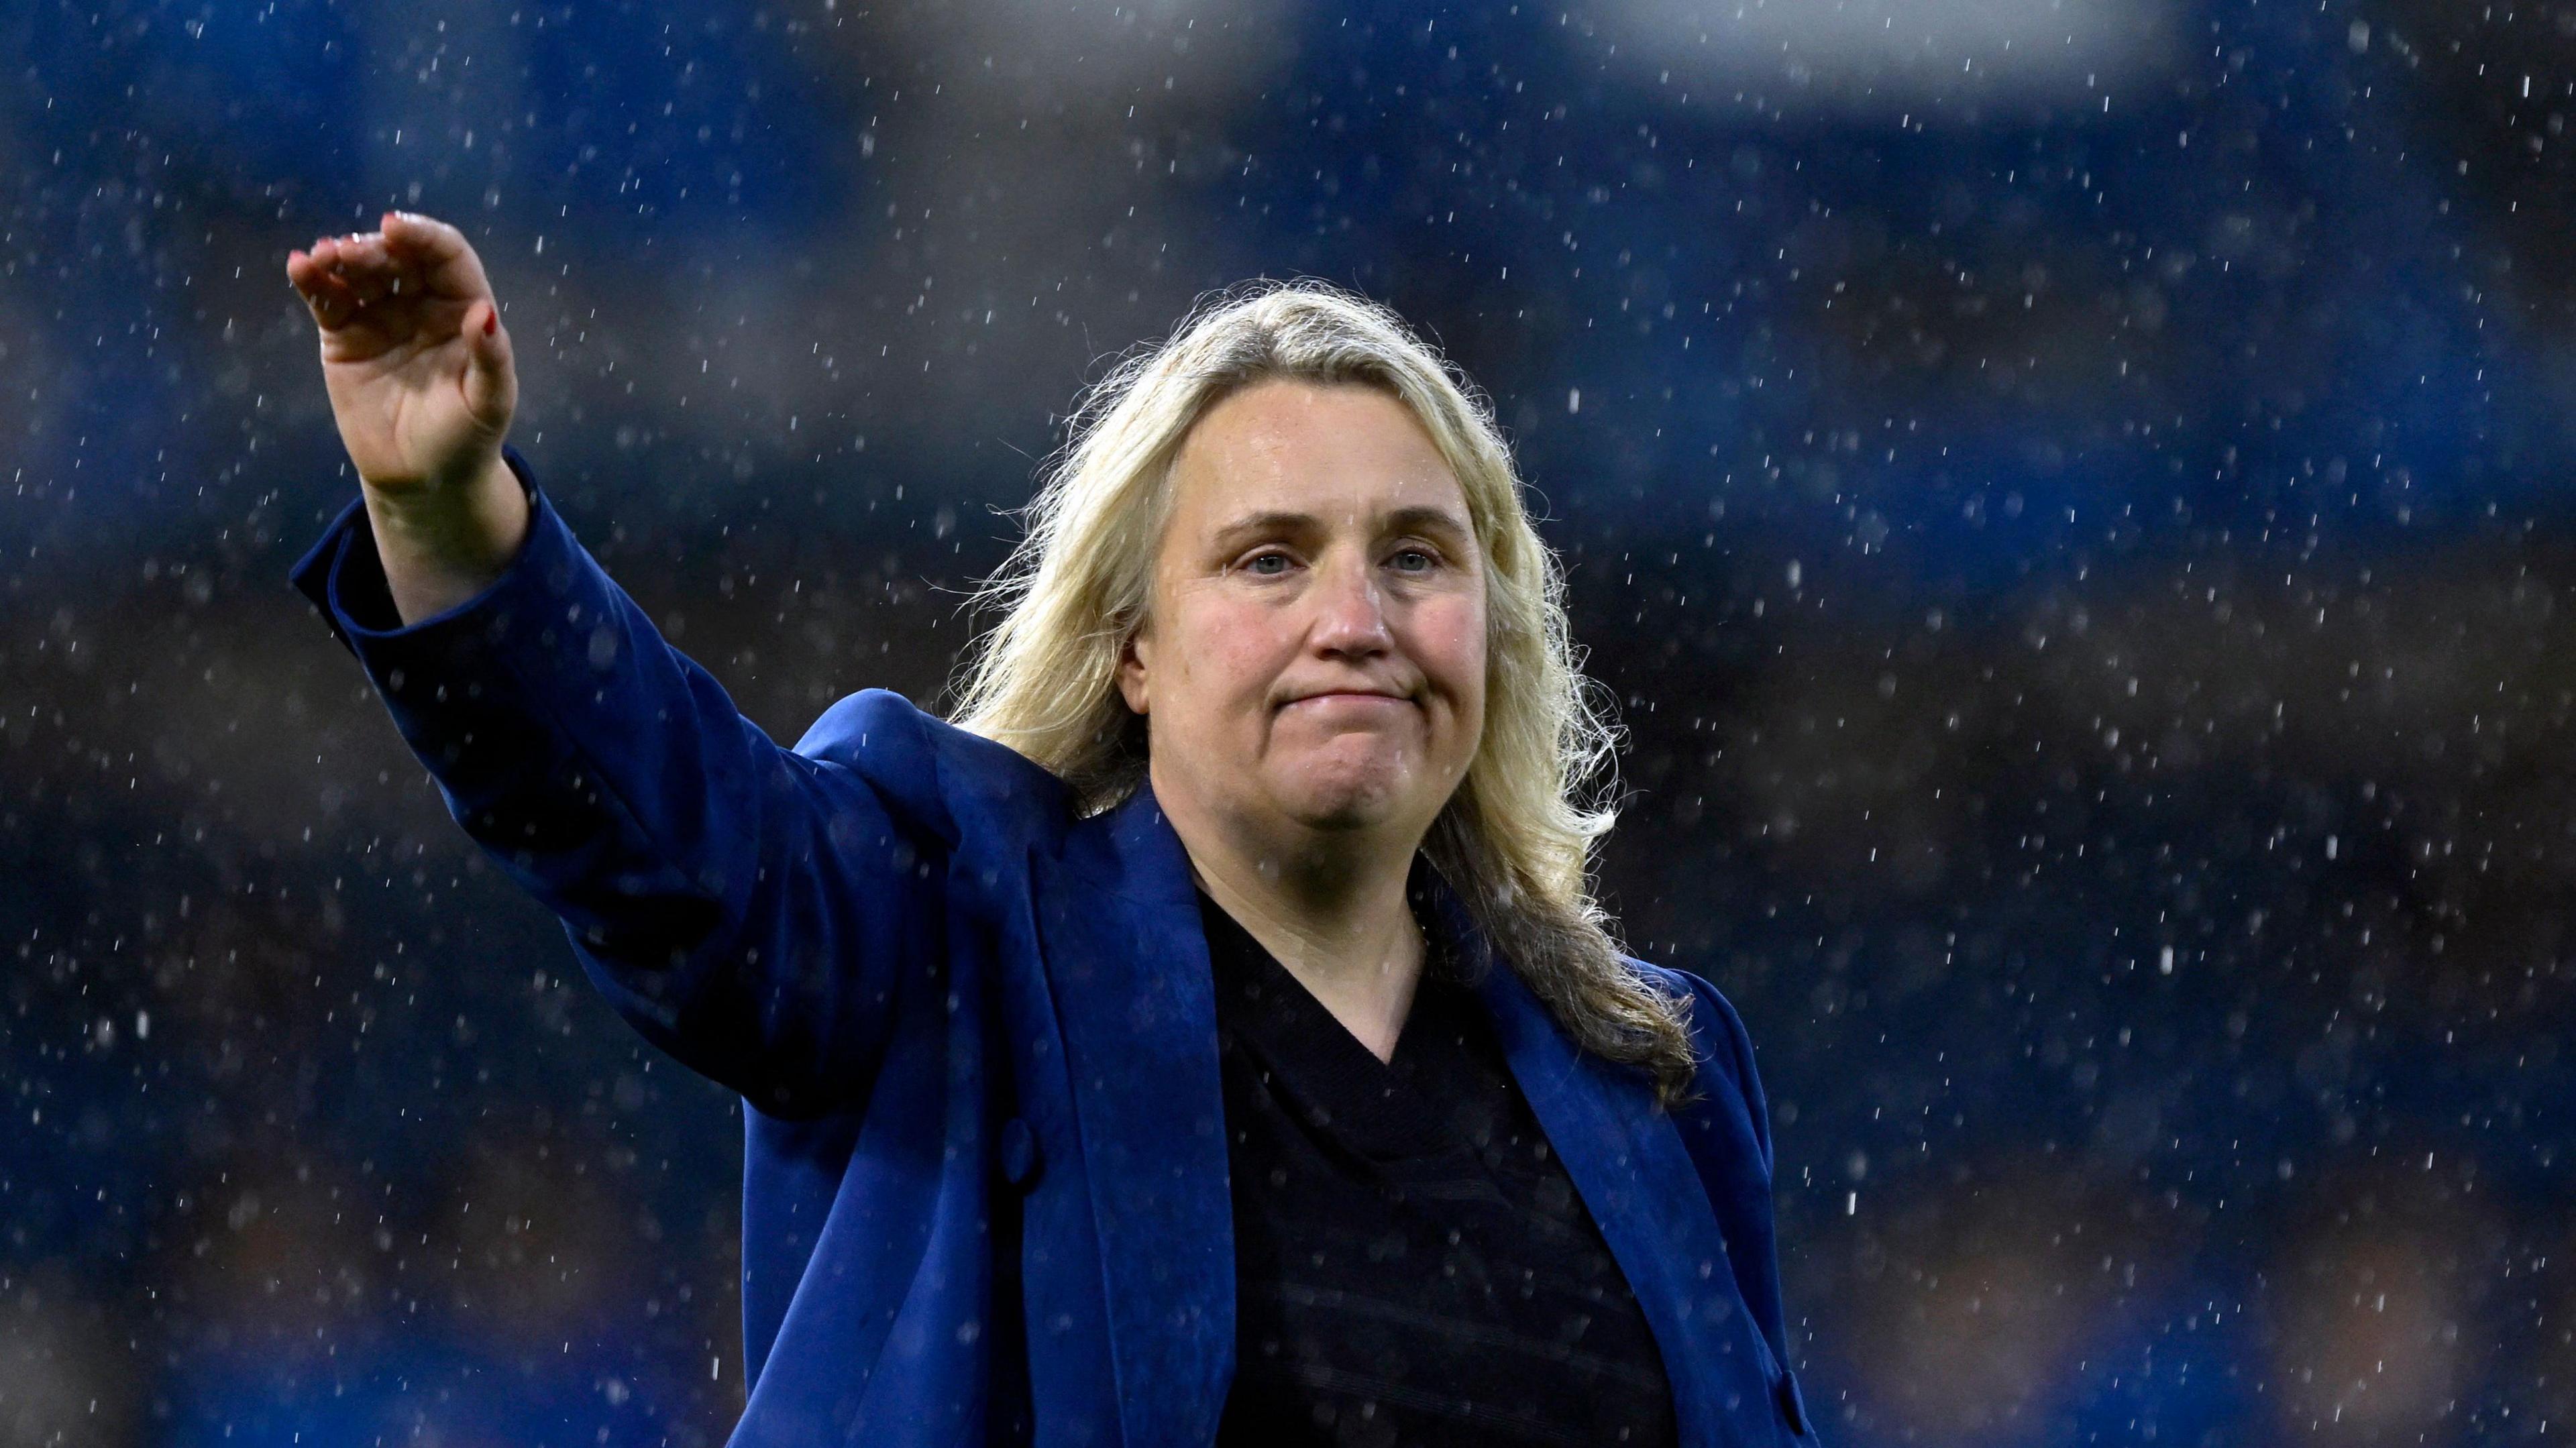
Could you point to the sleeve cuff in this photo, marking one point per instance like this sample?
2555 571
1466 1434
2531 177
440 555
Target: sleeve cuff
345 578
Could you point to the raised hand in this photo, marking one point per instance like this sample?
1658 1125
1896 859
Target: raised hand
423 387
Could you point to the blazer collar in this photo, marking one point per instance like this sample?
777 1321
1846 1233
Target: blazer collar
1128 966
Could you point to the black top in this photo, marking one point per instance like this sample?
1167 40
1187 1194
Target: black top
1412 1264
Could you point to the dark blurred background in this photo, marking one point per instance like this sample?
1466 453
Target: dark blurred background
2073 498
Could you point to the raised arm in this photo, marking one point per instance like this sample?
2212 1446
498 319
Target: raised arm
763 916
423 388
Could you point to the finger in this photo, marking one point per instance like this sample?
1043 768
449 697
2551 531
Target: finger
445 259
324 292
488 370
421 236
317 258
367 267
332 304
341 250
440 256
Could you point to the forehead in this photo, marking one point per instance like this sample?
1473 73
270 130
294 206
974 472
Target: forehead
1343 451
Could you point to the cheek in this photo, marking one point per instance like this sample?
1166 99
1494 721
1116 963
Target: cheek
1227 653
1452 650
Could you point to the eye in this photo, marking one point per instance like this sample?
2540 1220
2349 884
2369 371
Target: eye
1259 564
1414 560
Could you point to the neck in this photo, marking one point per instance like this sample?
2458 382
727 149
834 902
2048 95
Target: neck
1329 906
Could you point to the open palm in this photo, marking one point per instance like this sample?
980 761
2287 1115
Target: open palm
416 363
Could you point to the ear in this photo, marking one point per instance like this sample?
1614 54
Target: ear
1132 666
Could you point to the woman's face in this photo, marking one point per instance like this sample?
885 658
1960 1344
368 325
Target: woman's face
1314 654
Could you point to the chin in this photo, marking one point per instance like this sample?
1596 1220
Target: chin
1348 802
1353 783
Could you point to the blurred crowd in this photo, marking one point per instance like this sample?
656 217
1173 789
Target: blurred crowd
2069 498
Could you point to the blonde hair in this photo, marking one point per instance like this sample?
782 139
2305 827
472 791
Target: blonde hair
1515 840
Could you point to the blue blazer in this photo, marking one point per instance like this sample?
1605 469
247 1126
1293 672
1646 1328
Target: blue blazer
985 1178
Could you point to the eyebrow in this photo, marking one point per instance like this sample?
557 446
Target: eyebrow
1421 518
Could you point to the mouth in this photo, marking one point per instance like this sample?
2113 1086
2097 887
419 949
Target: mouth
1360 696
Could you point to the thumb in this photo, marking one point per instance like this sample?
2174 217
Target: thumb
490 382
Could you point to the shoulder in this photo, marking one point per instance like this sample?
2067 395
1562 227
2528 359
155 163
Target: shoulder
1729 1085
1715 1027
953 780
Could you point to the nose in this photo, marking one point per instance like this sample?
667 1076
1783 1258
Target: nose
1350 619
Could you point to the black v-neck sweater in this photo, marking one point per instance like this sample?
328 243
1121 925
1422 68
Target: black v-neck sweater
1412 1263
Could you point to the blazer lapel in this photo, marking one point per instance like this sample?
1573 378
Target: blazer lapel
1127 963
1636 1176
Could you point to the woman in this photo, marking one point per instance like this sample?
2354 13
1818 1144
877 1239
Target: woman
1206 1037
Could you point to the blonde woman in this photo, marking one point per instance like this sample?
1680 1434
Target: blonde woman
1205 1036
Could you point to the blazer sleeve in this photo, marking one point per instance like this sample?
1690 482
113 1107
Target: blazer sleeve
750 910
1728 1131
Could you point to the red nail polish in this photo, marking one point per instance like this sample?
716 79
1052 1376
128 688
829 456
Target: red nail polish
491 323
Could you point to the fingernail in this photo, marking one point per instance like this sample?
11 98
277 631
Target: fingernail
491 323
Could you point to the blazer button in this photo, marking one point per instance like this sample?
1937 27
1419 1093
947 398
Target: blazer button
1793 1404
1020 1160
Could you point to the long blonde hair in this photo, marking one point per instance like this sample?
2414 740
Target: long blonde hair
1515 840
